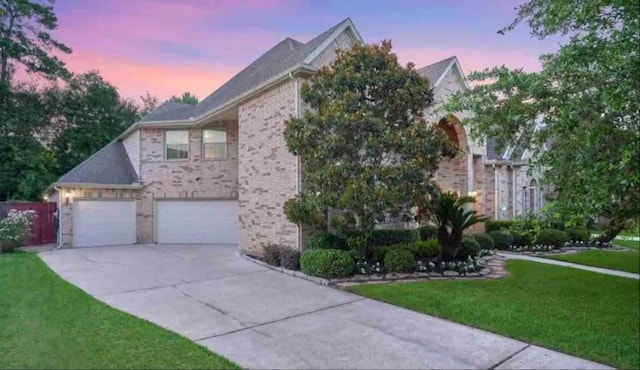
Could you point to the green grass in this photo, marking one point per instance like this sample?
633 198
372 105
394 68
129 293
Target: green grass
623 261
583 313
633 244
46 322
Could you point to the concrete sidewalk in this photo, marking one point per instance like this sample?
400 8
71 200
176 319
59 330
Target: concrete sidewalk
260 318
550 261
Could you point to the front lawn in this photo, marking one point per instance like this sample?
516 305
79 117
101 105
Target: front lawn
583 313
46 322
633 244
623 261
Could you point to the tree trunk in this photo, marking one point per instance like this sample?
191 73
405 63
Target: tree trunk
613 229
449 244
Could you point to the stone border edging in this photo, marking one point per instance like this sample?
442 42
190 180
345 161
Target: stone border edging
567 251
493 269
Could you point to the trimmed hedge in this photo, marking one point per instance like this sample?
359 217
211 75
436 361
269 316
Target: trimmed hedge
580 234
493 225
327 263
554 237
378 253
484 240
428 232
327 241
392 237
399 260
427 248
468 247
520 240
502 239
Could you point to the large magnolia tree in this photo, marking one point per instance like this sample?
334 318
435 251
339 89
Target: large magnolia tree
586 96
364 145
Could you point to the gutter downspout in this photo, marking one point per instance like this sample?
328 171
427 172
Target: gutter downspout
496 200
514 201
298 170
59 209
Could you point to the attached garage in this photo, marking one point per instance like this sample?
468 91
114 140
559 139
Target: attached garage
196 221
104 222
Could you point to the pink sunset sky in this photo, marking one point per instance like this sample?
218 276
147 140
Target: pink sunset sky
167 47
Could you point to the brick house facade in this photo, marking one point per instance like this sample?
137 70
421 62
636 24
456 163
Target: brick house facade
127 190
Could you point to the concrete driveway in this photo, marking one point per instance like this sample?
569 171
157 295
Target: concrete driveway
260 318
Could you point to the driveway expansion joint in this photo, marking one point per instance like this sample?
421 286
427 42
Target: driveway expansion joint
514 354
279 320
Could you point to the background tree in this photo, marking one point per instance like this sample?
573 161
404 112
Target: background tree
365 146
149 104
91 114
186 97
25 163
587 96
25 39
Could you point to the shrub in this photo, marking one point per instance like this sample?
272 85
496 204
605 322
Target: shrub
399 260
493 225
327 241
428 232
327 263
554 237
580 234
521 239
484 240
427 248
15 229
502 239
391 237
378 253
272 253
290 258
468 247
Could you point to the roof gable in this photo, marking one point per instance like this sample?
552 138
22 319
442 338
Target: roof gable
109 166
285 55
171 111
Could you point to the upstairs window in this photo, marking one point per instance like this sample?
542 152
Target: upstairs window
176 145
214 143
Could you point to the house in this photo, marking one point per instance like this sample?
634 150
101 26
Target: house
503 182
219 172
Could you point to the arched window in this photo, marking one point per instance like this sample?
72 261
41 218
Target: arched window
533 204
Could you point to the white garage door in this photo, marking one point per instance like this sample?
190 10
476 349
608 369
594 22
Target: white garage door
197 221
104 222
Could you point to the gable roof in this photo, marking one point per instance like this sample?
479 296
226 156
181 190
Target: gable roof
171 111
109 166
285 55
434 71
492 149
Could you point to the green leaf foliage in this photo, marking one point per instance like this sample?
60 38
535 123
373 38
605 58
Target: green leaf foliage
363 141
327 263
584 103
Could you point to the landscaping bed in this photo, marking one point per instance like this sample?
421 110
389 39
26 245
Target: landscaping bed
48 323
492 268
583 313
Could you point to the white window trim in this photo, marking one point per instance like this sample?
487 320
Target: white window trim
164 147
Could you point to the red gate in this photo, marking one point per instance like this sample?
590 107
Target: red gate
42 228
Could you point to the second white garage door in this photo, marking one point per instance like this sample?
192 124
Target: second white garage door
196 221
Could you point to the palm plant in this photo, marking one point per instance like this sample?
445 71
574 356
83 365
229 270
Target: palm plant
452 218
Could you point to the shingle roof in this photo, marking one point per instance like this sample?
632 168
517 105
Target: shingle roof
110 165
492 148
169 111
433 71
285 55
